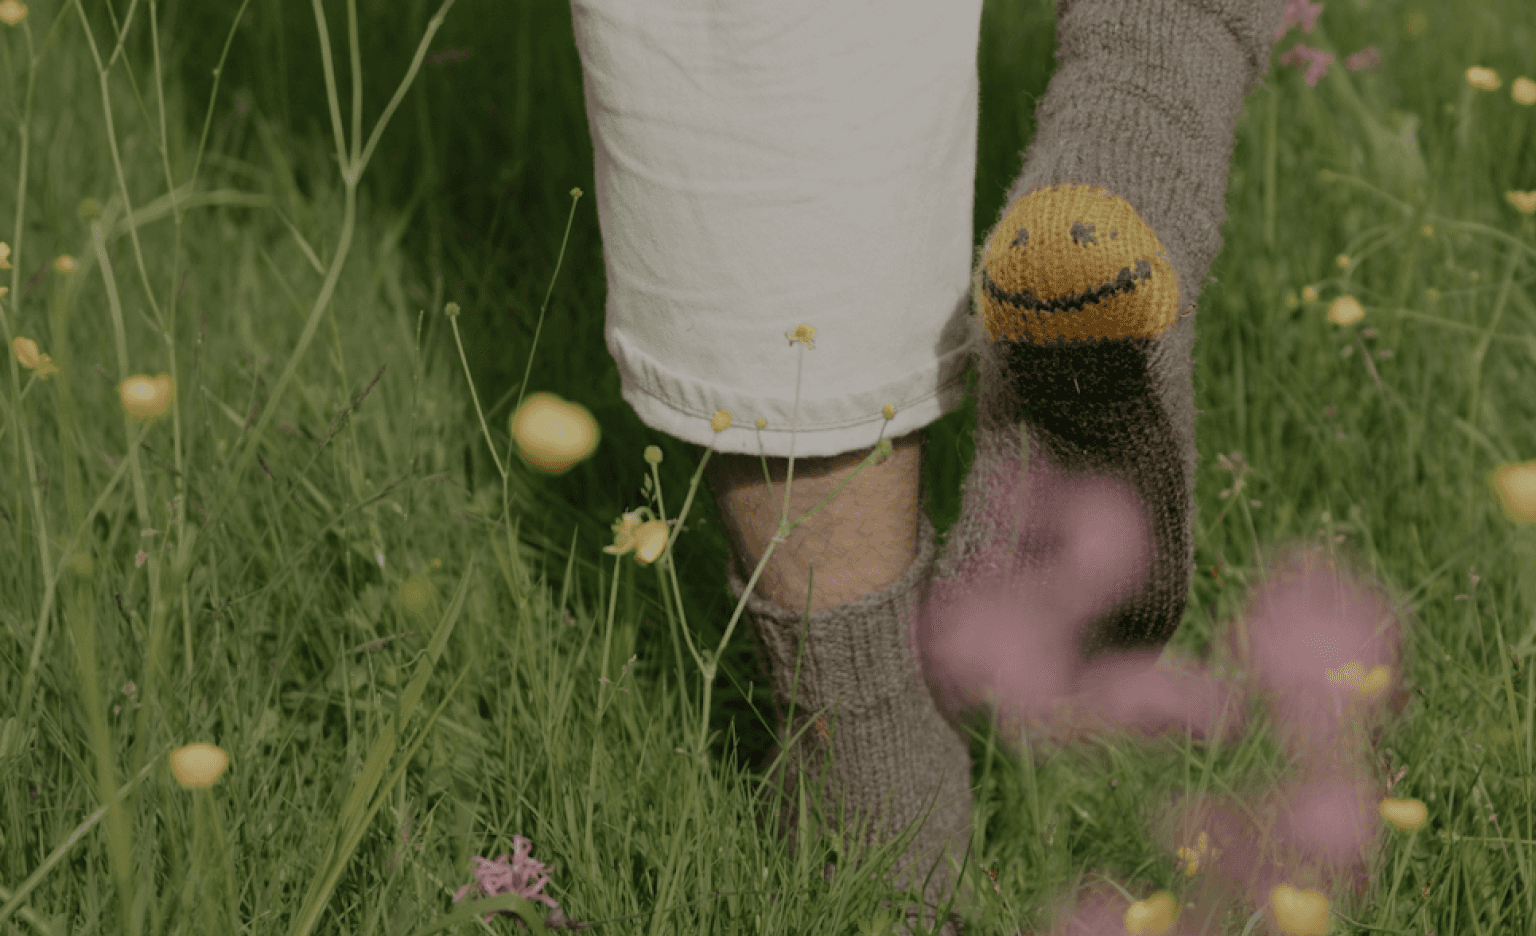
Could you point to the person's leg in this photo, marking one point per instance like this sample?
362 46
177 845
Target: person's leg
859 542
759 167
1086 290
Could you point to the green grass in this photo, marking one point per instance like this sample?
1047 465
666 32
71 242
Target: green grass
331 470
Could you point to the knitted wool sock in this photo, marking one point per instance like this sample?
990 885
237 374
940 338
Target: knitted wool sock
1085 292
893 756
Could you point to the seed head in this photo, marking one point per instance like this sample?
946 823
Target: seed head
652 455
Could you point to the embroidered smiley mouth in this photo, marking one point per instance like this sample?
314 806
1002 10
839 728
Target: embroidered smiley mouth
1124 282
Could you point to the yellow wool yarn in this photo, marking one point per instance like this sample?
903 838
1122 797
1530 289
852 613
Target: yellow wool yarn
1074 262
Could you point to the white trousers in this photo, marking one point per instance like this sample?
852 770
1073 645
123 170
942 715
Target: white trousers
765 165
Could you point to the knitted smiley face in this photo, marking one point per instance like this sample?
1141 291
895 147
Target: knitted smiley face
1074 263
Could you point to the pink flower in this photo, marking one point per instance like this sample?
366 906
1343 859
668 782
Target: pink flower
1316 60
1298 13
1367 57
500 877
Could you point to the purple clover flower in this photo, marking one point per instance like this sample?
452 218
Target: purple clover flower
1298 13
1316 61
516 877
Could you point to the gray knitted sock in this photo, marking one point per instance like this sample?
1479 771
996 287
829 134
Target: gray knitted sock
893 755
1085 292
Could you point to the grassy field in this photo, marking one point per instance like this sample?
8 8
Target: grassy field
414 651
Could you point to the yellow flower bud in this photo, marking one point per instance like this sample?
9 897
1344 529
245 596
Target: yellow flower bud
652 455
198 765
552 434
890 411
1406 814
1154 916
1516 487
1308 294
64 263
147 398
1523 91
1484 79
1345 310
1343 261
1300 912
761 422
721 421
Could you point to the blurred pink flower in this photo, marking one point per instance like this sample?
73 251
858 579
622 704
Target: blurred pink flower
1306 619
500 877
1368 57
1016 635
1316 60
1298 13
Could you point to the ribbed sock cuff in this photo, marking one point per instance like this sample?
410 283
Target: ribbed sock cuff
1145 101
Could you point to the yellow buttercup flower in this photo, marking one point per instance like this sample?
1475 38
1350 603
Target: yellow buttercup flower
64 263
804 333
761 422
1300 912
1523 91
1483 79
198 765
1343 261
721 421
12 12
5 249
553 434
1308 294
1406 814
890 411
647 539
147 398
1353 676
1345 310
26 352
1516 487
1193 856
1153 916
1524 202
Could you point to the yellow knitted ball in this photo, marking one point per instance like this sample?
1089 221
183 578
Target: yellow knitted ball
1074 262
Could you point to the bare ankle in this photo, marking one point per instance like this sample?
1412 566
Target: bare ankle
862 540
